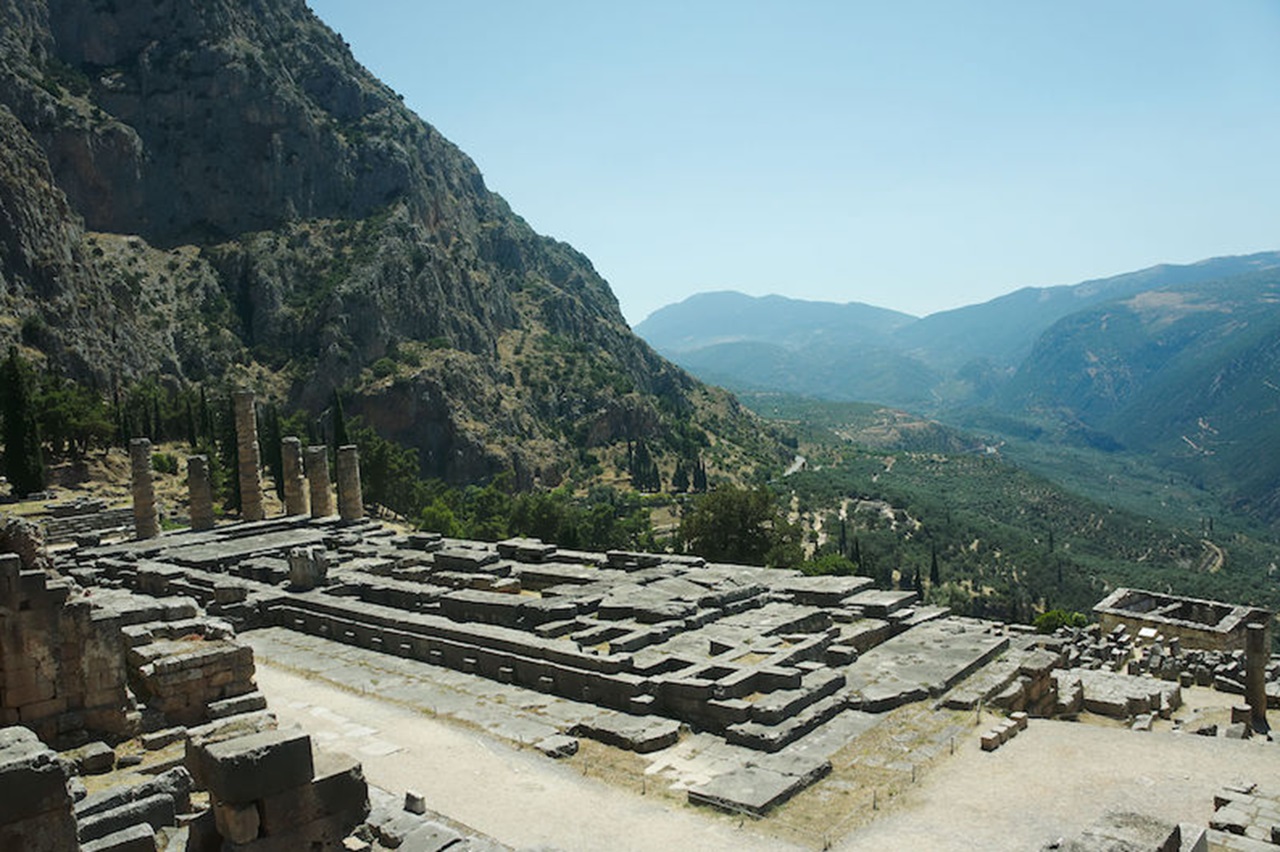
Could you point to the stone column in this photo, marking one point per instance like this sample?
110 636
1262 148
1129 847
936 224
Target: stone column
350 497
295 494
247 447
318 479
146 520
200 493
1256 657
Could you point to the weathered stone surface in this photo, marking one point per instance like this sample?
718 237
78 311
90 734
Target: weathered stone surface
338 791
246 423
94 758
318 485
350 494
33 780
256 766
925 660
176 783
146 519
641 734
135 838
753 789
156 810
557 746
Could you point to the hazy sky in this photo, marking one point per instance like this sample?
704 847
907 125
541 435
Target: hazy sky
913 155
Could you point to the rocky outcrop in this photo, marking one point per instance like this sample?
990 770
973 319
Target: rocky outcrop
212 191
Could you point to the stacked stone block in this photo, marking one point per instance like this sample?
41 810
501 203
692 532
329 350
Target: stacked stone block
35 805
350 495
200 490
146 519
251 508
295 494
61 670
183 678
317 464
266 793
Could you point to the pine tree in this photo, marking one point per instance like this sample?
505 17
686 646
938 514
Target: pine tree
680 479
272 454
23 455
231 459
700 476
192 437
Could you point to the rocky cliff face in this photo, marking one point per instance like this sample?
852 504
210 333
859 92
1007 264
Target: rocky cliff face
218 191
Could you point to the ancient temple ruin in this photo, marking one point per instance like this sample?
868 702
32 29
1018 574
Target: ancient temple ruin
134 640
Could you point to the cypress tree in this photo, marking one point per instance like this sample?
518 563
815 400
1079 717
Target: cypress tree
23 456
340 436
935 577
192 438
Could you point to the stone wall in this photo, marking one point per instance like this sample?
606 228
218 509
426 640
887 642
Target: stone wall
62 669
1209 625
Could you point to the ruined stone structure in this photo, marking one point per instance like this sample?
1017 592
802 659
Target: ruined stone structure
146 519
295 492
350 496
317 465
35 810
200 491
251 508
1210 625
61 666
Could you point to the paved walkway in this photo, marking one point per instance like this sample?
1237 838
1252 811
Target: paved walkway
519 797
1051 781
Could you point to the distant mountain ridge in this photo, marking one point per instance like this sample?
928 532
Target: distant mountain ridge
840 351
1181 362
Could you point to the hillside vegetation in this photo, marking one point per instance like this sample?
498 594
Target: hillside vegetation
218 194
894 494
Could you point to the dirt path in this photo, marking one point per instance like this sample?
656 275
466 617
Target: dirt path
1056 778
516 796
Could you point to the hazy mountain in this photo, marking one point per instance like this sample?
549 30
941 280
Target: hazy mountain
1003 330
708 319
1190 374
219 192
859 352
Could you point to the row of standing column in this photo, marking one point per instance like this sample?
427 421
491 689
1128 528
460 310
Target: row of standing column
310 491
314 472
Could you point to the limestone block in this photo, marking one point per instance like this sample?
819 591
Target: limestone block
339 790
256 766
156 810
236 823
32 778
557 746
308 567
51 831
415 802
135 838
94 758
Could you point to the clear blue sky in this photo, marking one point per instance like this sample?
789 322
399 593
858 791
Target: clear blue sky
913 155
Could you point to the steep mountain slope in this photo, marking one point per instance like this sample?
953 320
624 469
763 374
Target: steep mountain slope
1190 374
219 192
1004 329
